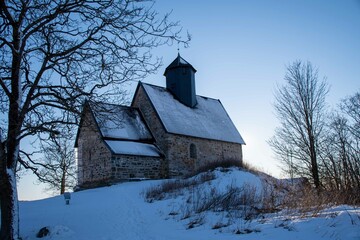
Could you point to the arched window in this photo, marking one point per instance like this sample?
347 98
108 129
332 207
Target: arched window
193 153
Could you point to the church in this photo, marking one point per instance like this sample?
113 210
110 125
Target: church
166 132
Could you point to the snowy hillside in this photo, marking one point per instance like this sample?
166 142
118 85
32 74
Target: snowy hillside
121 212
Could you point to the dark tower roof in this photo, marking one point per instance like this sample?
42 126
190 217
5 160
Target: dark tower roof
179 62
180 81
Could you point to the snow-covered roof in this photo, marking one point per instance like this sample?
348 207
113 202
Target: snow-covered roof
133 148
120 122
124 130
208 119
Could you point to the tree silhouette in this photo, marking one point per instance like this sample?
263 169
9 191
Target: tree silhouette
300 108
57 167
56 53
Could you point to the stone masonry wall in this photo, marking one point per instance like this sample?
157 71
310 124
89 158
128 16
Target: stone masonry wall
207 151
93 155
176 148
142 102
98 166
127 166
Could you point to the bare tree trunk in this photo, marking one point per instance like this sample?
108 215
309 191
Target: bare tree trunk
63 178
8 199
9 207
8 190
314 163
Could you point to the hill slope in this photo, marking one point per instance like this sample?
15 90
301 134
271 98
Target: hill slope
121 212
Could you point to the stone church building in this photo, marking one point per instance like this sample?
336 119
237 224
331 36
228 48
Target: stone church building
165 133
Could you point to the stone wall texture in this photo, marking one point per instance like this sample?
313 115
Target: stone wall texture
93 155
127 167
97 165
207 152
176 148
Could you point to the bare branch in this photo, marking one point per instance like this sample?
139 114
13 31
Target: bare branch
54 54
300 106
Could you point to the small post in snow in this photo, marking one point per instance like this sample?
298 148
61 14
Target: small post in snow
67 197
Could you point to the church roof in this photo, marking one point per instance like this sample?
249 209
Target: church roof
179 62
133 148
208 119
124 130
120 122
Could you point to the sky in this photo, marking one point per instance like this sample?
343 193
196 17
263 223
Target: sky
240 50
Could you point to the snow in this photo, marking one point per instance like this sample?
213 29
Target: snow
120 122
236 178
133 148
120 212
208 119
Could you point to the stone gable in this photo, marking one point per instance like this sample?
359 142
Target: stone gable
97 165
92 153
176 148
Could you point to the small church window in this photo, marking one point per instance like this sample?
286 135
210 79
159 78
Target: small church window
193 153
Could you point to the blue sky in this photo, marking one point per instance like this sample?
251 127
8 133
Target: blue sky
240 50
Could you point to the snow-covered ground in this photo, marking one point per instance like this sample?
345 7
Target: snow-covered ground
121 212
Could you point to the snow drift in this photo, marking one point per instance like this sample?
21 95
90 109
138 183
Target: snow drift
122 212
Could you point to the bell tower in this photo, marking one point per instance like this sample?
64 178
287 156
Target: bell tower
180 81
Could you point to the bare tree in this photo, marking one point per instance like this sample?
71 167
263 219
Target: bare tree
55 53
57 166
300 108
341 151
351 107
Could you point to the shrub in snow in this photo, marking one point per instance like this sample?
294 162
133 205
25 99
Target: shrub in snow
228 198
175 187
222 190
224 164
244 199
219 225
196 221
